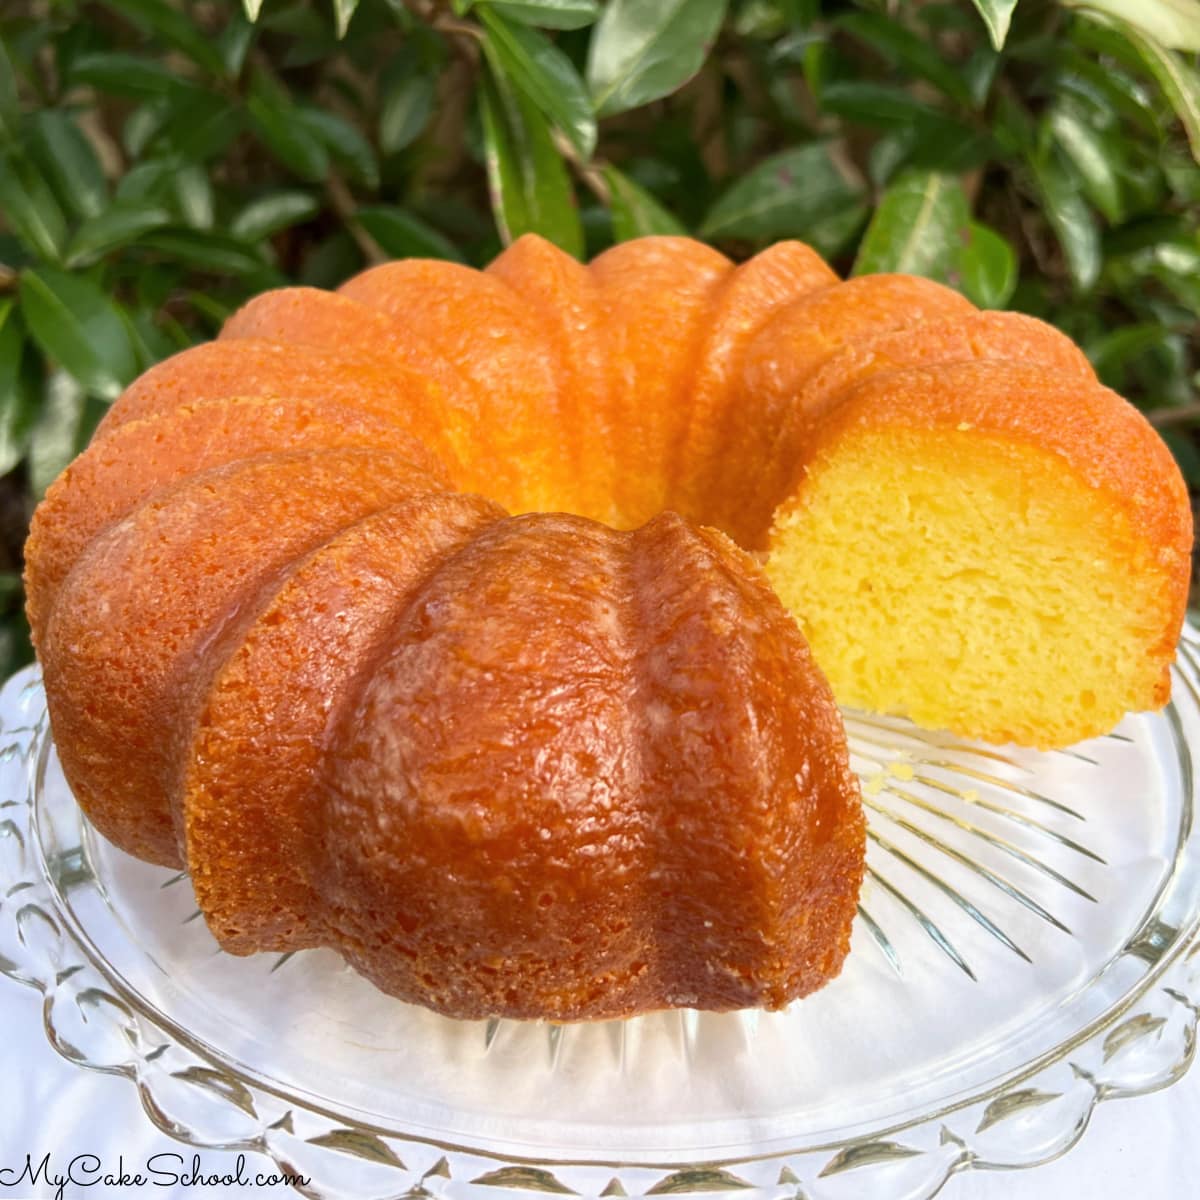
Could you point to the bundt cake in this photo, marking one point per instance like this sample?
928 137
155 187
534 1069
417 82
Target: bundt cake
420 620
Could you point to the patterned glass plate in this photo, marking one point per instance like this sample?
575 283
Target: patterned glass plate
1023 951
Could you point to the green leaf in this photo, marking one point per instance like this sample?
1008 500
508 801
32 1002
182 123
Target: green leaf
15 647
32 211
987 267
880 105
530 188
899 45
217 311
1143 187
1013 126
141 127
1094 160
979 73
1177 267
170 182
889 154
291 141
1178 81
997 16
18 401
122 74
79 328
117 226
343 11
194 195
11 343
175 29
1111 93
1087 102
156 284
252 8
545 74
234 43
344 142
944 144
1186 454
831 234
404 235
817 65
938 140
326 264
153 344
1145 234
1117 349
54 438
150 180
782 197
549 14
761 20
636 213
10 107
918 227
1072 221
407 106
642 50
1183 177
298 20
270 213
1174 24
10 586
69 162
198 124
206 250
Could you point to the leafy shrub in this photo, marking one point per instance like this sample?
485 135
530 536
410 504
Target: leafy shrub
161 160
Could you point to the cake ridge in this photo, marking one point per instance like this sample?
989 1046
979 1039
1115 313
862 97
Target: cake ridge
134 658
227 730
75 509
786 265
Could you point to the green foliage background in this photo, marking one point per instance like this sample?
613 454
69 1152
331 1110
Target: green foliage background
162 160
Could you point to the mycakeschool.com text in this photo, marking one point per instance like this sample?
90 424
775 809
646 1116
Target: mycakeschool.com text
166 1170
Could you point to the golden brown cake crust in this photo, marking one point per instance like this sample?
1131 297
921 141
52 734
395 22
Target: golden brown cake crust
258 742
562 295
409 317
137 622
99 487
700 466
228 370
758 838
652 349
965 337
323 321
471 335
610 817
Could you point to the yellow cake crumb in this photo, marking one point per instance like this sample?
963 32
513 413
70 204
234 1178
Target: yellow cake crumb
966 603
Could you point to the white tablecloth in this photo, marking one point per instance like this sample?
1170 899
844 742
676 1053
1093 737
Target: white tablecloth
1147 1148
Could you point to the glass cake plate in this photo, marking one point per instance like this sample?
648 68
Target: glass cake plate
1024 950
